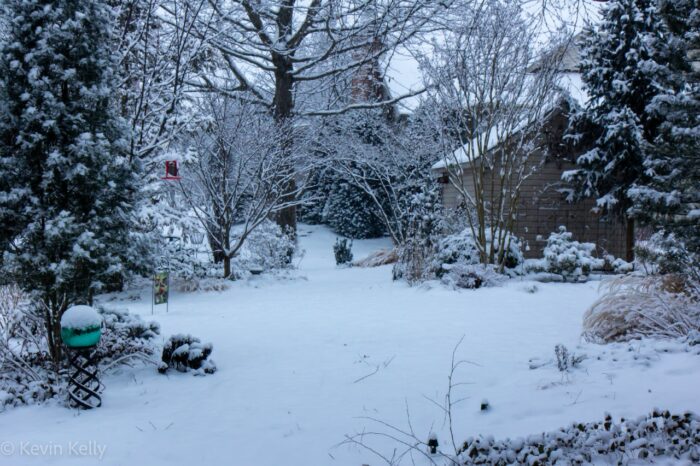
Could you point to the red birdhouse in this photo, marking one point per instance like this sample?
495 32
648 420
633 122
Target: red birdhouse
171 170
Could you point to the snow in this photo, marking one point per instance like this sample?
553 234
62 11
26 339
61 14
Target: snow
79 317
304 358
462 155
573 85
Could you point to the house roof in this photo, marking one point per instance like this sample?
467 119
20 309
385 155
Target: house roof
570 85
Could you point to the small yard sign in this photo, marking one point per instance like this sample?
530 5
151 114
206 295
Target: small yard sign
161 288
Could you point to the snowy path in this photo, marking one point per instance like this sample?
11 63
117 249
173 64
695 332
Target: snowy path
289 353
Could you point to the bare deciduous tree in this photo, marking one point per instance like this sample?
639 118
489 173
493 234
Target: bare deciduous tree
238 173
492 88
284 53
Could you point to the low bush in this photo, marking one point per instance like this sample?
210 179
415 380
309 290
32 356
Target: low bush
470 276
125 334
186 353
461 249
27 372
658 435
660 306
267 248
378 258
570 259
342 249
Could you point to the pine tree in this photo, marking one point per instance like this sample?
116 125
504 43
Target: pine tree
350 212
622 65
669 197
67 186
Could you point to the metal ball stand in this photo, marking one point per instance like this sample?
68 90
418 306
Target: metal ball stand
83 386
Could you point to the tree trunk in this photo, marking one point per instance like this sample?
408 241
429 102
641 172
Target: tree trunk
53 309
283 106
227 266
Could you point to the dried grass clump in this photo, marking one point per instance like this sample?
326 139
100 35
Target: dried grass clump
660 306
378 258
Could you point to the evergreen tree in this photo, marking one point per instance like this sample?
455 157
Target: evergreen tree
622 65
669 196
350 212
67 186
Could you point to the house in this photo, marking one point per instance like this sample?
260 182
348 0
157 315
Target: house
542 205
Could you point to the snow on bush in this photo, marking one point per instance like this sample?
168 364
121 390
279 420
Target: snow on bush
461 248
378 258
267 248
186 353
27 373
26 370
342 250
567 258
661 306
658 435
470 276
125 336
565 359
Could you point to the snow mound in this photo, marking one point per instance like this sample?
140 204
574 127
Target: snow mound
81 316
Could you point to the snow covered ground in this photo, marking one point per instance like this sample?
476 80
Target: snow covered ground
303 361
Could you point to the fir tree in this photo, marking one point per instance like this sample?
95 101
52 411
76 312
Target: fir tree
622 66
67 185
669 196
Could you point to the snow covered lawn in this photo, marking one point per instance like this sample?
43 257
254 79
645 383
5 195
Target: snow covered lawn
302 361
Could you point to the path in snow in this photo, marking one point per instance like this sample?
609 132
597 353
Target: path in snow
290 354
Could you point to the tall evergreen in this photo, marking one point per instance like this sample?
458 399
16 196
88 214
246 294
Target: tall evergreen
622 59
669 196
67 186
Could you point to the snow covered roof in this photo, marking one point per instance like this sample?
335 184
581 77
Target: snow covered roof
571 85
466 154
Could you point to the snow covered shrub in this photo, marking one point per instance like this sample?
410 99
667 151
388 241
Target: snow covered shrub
565 359
666 255
424 225
125 336
187 353
470 276
651 306
572 260
350 212
461 248
616 265
342 249
378 258
266 248
658 435
27 372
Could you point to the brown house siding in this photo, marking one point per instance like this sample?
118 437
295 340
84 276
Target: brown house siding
543 209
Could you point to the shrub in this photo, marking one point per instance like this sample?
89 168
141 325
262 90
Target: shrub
661 306
566 360
378 258
471 276
267 248
342 249
666 255
461 248
660 435
186 353
125 334
27 372
572 260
